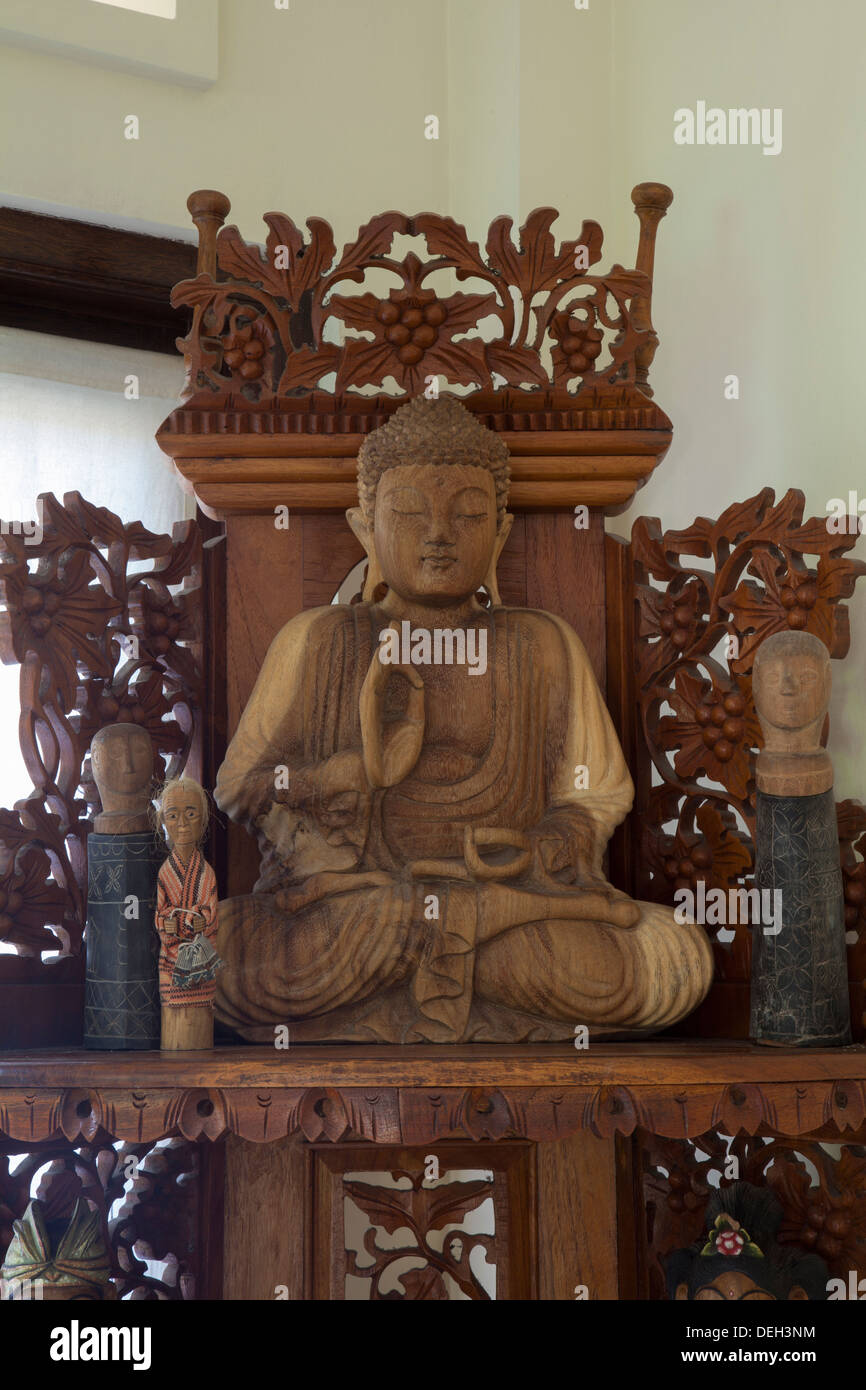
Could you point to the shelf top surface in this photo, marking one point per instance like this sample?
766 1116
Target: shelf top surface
646 1065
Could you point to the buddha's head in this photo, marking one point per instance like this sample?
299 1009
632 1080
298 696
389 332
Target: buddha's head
182 815
791 681
433 487
121 756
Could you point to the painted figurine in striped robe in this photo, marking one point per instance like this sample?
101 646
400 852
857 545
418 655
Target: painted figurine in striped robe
186 920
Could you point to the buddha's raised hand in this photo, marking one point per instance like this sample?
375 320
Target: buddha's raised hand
390 756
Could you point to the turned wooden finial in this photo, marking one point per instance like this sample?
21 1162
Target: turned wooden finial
791 686
209 210
651 202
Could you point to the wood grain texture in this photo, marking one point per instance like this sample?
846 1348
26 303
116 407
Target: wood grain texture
264 588
577 1218
621 696
565 575
79 280
392 1095
265 1221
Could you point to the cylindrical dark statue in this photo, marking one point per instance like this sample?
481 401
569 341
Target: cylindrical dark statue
799 963
121 992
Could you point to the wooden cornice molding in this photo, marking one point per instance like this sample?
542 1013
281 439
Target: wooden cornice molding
253 472
392 1095
280 357
80 280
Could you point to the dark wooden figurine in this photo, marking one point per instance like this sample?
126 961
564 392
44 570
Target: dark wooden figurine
799 967
121 1010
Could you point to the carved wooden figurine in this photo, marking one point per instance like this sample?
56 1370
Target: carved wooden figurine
799 967
433 783
186 920
52 1258
739 1258
121 993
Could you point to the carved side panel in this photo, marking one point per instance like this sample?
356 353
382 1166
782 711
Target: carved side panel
705 599
147 1197
100 638
821 1186
448 1223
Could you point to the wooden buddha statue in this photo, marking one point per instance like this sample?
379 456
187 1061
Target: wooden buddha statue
433 784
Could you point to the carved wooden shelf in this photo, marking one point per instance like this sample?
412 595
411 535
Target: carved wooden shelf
393 1095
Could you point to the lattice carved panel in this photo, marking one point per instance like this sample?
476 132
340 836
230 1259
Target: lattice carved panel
146 1196
821 1186
433 1226
103 618
706 597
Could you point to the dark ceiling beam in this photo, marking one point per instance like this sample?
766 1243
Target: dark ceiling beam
79 280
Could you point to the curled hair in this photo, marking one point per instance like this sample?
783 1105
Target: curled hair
171 785
439 431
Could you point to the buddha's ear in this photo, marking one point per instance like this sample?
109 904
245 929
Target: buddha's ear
364 534
355 518
490 582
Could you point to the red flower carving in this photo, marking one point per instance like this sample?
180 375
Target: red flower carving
730 1242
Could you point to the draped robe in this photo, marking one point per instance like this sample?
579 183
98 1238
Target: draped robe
353 934
190 887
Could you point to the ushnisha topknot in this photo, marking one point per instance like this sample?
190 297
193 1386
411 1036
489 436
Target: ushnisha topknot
439 431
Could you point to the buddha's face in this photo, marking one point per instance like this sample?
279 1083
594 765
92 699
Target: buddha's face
791 688
435 531
122 761
182 817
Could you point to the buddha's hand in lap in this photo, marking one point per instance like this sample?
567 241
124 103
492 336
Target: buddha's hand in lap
565 847
389 758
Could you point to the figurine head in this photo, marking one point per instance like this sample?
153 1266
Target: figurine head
121 756
739 1259
433 487
182 814
791 681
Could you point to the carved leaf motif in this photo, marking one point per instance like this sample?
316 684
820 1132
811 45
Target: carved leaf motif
306 263
450 1204
390 1208
515 364
373 240
298 298
536 265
